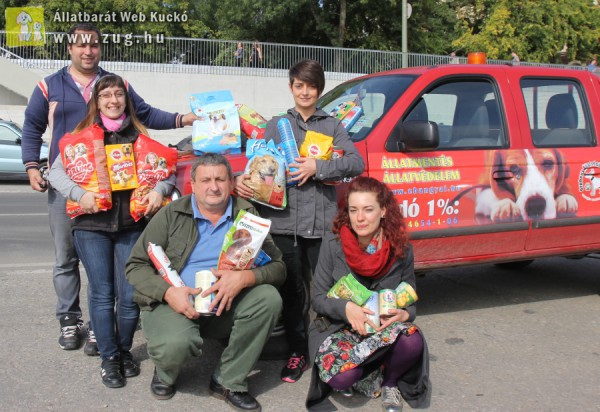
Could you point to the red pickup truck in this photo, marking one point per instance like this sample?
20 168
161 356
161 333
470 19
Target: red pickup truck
490 164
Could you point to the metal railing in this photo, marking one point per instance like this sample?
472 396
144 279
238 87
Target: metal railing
156 53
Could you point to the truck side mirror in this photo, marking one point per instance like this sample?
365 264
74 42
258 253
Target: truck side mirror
413 136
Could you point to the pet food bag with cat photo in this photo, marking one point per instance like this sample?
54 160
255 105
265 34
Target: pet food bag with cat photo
243 241
266 171
154 162
218 131
84 160
252 123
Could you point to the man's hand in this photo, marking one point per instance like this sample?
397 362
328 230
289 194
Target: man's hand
189 118
307 168
154 200
241 189
179 300
229 284
88 202
36 181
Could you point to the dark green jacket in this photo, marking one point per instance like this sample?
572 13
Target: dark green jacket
175 230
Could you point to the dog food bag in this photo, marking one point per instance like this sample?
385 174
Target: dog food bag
121 166
251 123
261 259
219 129
347 287
266 171
243 241
162 263
351 117
154 162
317 145
84 159
342 109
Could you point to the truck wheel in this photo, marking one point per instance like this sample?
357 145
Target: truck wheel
519 264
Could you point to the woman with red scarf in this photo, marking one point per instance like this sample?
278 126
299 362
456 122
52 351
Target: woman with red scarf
369 240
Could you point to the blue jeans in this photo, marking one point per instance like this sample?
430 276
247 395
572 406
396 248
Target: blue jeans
103 255
65 273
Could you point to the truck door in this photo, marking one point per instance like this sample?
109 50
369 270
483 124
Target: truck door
560 193
446 193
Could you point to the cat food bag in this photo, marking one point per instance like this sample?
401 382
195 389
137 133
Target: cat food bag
243 241
266 171
121 166
317 145
219 129
154 162
84 159
251 123
347 287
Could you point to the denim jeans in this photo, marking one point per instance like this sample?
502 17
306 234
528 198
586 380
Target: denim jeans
65 273
104 255
294 290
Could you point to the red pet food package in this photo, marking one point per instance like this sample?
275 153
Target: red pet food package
121 167
243 241
266 171
154 162
84 159
251 123
336 153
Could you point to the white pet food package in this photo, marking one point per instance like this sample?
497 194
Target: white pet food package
243 241
218 131
163 265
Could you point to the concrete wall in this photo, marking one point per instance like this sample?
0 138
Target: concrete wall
167 91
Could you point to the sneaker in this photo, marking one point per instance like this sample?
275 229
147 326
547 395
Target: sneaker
69 333
91 347
294 369
110 372
392 401
129 367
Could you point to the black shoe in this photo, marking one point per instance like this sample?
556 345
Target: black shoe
129 367
111 373
69 333
91 347
294 369
161 390
238 400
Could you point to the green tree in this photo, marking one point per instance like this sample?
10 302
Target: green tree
534 32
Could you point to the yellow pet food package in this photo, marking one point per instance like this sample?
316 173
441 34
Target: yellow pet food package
121 166
317 145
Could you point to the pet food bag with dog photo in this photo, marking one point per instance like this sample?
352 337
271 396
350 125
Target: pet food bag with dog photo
121 167
252 123
317 145
243 241
218 131
154 162
84 160
266 171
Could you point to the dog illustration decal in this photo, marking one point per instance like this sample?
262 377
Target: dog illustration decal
528 184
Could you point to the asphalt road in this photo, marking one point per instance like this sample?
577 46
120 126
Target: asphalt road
521 340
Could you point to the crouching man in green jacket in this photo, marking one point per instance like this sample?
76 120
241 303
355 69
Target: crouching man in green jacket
191 232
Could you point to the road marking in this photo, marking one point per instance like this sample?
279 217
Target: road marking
23 214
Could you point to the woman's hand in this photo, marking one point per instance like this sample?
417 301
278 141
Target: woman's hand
393 315
357 317
88 202
154 200
307 168
241 189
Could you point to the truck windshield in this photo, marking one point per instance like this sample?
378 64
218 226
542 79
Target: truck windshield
360 104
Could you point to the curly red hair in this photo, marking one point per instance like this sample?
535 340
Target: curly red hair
393 225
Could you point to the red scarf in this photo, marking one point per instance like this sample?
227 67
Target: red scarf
362 263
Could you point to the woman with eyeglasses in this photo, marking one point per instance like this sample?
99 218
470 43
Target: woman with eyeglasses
104 239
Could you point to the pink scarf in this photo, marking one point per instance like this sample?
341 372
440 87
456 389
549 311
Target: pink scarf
112 125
